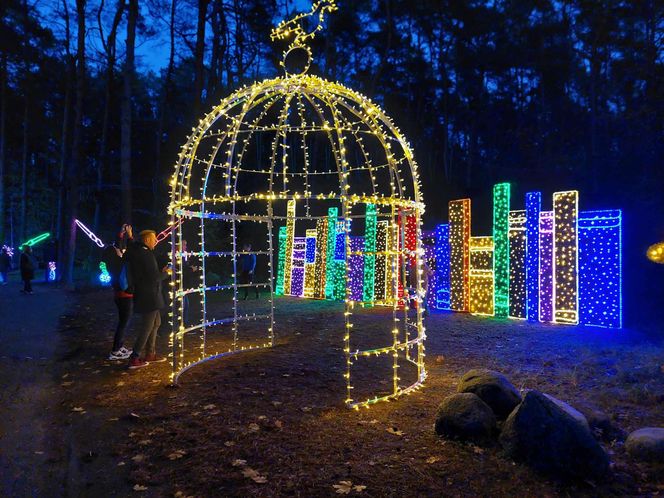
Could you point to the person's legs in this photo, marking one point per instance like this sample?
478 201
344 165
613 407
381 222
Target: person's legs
125 306
146 326
152 340
244 280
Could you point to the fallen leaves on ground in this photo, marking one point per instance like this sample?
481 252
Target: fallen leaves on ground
345 487
395 431
177 454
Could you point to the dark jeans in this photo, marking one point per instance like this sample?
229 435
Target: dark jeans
27 285
125 306
245 279
146 339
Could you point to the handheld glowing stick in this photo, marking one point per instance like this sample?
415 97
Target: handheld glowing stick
37 239
166 232
89 233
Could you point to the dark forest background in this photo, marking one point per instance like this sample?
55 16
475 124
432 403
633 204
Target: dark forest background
546 94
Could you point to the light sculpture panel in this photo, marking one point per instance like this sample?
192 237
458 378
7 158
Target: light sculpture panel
533 209
481 276
442 273
565 257
600 268
310 263
501 252
517 258
546 267
459 254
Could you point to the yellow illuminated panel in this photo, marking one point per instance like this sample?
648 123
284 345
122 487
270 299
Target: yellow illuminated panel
459 254
565 257
481 276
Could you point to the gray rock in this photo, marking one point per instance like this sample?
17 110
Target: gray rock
571 411
493 388
465 416
544 435
646 444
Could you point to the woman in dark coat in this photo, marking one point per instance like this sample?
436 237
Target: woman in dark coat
27 269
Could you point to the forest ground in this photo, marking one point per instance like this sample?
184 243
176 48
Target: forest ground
272 422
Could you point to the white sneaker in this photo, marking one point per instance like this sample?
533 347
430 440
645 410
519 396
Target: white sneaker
119 354
126 351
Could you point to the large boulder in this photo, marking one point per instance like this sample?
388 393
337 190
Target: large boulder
465 416
493 388
646 444
543 434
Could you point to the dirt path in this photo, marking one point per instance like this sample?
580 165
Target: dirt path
31 452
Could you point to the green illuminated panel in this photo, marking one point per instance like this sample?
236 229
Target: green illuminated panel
501 255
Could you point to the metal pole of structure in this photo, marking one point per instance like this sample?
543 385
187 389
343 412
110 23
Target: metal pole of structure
270 229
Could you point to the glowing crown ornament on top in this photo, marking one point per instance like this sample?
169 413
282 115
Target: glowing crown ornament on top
305 156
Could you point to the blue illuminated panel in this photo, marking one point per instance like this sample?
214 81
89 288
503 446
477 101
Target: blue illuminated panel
533 208
600 268
356 269
442 273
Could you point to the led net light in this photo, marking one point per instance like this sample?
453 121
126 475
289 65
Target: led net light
356 269
441 286
546 267
517 284
600 268
252 153
370 258
533 208
320 263
309 263
332 216
380 283
501 254
297 274
565 257
481 276
281 262
459 254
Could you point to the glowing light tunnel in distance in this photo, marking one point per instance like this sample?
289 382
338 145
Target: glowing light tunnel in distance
600 268
533 208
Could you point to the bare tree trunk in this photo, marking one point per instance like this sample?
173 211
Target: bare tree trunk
109 48
64 139
75 164
125 109
3 121
199 53
165 92
24 167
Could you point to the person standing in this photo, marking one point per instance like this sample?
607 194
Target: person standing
115 257
5 264
148 299
27 269
247 268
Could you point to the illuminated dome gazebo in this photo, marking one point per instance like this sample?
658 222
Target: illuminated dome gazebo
290 153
